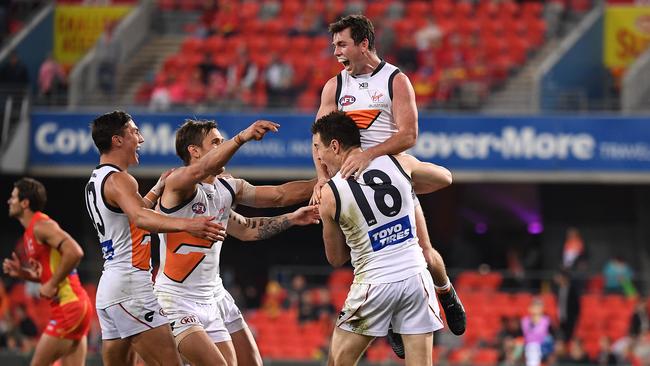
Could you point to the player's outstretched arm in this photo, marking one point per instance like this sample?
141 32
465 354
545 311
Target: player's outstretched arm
282 195
213 162
51 234
336 250
122 189
427 177
260 228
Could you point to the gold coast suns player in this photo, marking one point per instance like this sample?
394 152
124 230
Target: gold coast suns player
129 314
208 326
53 255
381 101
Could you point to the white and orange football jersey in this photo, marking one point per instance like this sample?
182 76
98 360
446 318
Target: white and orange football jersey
368 100
126 249
189 266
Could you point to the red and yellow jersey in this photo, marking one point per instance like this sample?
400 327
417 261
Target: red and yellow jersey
50 258
368 100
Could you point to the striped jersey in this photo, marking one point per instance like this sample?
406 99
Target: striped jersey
49 258
368 99
377 215
126 248
189 266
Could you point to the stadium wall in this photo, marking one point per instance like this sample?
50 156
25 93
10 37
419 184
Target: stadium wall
476 148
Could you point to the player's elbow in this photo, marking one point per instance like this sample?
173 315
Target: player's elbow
336 261
446 178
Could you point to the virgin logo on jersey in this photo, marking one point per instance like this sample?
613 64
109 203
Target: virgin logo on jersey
375 95
346 100
394 232
198 208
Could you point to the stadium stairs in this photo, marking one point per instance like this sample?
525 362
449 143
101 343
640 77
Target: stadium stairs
517 96
165 38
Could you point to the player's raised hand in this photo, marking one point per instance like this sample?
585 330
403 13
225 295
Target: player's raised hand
204 227
305 216
257 130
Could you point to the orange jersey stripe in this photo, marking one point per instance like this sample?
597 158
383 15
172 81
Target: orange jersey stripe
364 117
140 248
178 266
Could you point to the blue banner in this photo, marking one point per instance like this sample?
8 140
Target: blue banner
474 144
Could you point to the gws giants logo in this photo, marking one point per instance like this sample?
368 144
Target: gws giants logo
198 208
347 100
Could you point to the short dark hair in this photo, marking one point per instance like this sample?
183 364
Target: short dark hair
32 190
192 132
360 28
106 126
337 126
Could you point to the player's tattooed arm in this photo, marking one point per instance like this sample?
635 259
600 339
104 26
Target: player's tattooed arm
260 228
256 228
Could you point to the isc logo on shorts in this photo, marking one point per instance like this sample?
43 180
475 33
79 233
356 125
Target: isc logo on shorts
394 232
347 100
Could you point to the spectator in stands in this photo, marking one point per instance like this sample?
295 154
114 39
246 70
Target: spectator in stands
510 328
207 67
294 293
108 58
279 82
515 277
576 356
308 22
194 90
568 292
160 98
618 277
241 76
51 80
640 323
306 307
537 331
217 88
511 352
384 36
14 72
273 299
427 38
574 247
605 356
407 54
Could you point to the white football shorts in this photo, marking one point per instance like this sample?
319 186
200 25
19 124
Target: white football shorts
409 305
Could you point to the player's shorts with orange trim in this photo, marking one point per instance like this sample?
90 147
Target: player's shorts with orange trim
70 320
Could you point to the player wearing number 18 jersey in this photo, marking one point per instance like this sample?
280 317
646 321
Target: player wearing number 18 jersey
370 219
381 100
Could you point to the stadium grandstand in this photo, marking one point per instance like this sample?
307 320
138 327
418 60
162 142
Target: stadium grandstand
539 108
